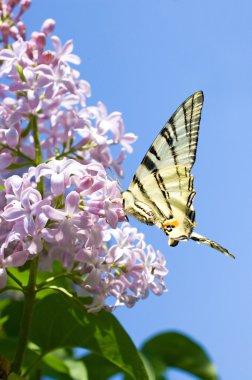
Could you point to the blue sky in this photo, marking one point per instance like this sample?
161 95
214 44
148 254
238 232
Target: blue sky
144 58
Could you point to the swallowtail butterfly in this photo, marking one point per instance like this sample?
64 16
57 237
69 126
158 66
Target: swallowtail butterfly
162 191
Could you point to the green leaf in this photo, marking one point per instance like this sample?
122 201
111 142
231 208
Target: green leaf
3 304
20 274
20 72
62 366
103 371
179 351
12 313
8 347
57 279
60 322
18 166
77 369
14 376
149 368
106 369
57 267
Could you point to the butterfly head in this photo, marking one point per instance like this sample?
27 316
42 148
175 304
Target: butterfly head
177 232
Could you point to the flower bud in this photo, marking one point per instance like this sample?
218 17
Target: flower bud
24 5
5 30
47 57
48 26
39 39
22 29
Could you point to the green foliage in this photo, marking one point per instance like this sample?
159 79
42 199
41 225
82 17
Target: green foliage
174 350
99 368
14 376
60 323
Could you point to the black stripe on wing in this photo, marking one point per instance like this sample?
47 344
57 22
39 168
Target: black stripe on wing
185 121
176 143
192 121
163 190
151 202
154 152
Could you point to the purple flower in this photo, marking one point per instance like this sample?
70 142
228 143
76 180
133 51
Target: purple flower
59 172
26 210
108 204
12 254
114 124
8 29
63 53
66 208
13 57
5 160
71 213
127 272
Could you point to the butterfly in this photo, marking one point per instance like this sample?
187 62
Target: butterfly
162 190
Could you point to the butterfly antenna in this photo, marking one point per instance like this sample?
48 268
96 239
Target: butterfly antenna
202 239
115 178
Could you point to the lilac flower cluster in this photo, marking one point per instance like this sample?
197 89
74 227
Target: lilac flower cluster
56 200
11 26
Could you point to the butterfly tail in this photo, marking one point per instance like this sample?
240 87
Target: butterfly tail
201 239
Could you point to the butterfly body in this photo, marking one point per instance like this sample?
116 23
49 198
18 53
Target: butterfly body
162 190
172 210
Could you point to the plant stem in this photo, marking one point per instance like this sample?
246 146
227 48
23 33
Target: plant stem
54 278
10 288
25 324
33 365
14 278
17 152
73 150
35 132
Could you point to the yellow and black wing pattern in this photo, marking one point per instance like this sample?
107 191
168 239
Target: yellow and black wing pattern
162 190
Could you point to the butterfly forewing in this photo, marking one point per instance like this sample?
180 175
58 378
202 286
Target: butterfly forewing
162 188
176 144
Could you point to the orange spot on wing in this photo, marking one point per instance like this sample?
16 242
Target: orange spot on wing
171 222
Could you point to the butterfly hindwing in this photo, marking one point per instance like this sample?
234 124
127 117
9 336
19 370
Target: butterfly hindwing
164 198
213 244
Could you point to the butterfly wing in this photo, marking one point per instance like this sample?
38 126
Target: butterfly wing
176 143
202 239
164 198
161 192
162 188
